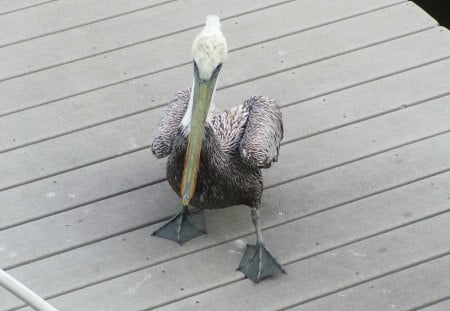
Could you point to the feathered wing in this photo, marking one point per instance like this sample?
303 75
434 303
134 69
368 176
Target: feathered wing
168 126
263 132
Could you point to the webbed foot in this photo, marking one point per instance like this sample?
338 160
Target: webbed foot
258 263
183 226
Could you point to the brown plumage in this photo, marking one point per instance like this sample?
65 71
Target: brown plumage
238 142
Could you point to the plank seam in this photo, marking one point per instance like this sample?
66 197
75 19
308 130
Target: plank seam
19 223
180 65
370 155
429 304
266 228
220 88
134 11
74 168
394 271
371 80
128 79
367 196
323 252
246 234
27 7
194 27
87 23
164 179
51 137
350 51
267 187
376 115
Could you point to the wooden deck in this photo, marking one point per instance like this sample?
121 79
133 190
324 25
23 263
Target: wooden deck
357 209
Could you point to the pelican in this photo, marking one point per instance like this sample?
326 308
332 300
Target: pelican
215 158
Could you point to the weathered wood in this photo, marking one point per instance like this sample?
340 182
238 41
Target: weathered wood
308 46
404 290
359 196
320 274
306 278
359 67
149 30
75 149
122 31
366 100
307 156
77 187
298 159
60 15
440 306
167 51
7 6
360 139
137 249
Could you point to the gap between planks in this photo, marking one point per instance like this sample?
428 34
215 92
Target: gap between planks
275 185
432 303
267 187
366 295
392 154
199 26
224 87
287 105
134 11
87 23
372 278
335 247
188 62
26 7
317 254
383 113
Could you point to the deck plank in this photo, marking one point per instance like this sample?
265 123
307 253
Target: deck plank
323 273
176 16
9 6
331 269
357 103
60 15
319 79
440 306
359 198
342 184
61 154
277 55
298 159
18 97
404 290
69 46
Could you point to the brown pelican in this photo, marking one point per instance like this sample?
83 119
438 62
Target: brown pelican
215 158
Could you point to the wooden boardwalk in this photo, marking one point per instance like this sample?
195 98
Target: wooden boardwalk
357 209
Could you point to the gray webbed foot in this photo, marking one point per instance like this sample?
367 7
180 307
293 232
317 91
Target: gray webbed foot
258 263
183 226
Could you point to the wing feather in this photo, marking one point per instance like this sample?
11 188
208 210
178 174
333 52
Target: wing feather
260 144
168 126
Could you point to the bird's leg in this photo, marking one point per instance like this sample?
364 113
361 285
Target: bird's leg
183 226
257 262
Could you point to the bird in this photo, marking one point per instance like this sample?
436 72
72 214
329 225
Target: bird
215 157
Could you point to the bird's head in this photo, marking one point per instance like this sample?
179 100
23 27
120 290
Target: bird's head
209 51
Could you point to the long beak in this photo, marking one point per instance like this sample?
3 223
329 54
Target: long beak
203 92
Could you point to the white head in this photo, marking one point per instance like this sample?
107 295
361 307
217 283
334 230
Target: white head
209 48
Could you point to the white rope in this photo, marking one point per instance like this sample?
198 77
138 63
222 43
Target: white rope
24 293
